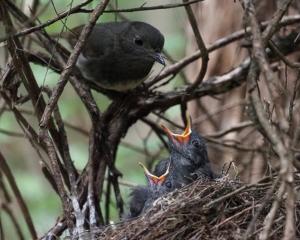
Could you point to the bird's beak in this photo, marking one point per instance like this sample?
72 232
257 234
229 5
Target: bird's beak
154 179
158 57
180 138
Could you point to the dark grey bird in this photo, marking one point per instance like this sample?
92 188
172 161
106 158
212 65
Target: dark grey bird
188 154
118 55
142 197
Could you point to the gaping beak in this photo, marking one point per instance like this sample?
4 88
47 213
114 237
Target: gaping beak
154 179
180 138
158 57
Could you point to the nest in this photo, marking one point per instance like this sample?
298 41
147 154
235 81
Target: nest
207 210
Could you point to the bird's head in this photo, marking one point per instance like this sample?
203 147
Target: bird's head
143 39
189 146
158 185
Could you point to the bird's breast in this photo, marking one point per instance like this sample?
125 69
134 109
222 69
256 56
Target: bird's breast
113 72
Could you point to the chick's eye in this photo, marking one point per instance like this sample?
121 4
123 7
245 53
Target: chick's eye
138 41
195 143
168 185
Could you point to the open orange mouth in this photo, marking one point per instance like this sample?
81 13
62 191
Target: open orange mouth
154 179
181 138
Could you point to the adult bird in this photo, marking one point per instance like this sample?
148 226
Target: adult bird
188 154
142 197
118 55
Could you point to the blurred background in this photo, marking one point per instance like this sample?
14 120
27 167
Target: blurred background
210 114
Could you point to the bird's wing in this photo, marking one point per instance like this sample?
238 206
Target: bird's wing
139 196
101 39
204 171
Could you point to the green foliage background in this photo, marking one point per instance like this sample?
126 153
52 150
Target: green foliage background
43 203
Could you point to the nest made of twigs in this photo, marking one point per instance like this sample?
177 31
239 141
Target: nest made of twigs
220 209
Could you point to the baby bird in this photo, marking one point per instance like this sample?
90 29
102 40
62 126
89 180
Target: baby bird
188 155
142 197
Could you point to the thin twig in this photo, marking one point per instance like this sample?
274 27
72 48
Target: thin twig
201 46
57 91
6 171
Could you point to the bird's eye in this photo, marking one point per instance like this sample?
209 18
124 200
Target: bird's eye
138 41
195 143
168 184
